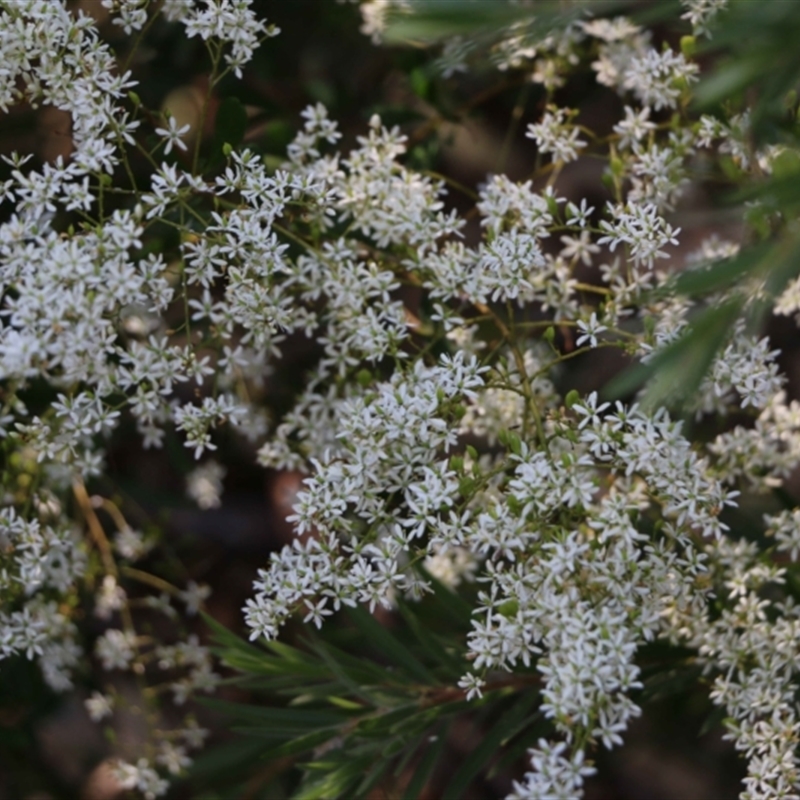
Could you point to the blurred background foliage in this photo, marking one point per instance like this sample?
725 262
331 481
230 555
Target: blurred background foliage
365 708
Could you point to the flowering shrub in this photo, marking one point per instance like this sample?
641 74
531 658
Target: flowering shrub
439 444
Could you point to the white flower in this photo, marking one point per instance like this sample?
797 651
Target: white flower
579 248
99 706
655 77
634 127
173 135
589 331
472 684
142 777
642 229
194 596
116 649
701 12
555 773
554 134
173 758
204 484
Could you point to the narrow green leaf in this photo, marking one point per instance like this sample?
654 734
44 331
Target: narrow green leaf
384 723
676 372
286 734
280 718
389 646
722 274
299 745
342 702
346 678
225 758
534 726
432 751
372 777
665 684
228 638
724 81
360 670
433 20
265 665
337 781
429 642
452 603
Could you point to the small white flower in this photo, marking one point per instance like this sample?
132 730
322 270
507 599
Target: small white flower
554 134
99 706
194 596
580 247
589 331
204 484
472 684
173 135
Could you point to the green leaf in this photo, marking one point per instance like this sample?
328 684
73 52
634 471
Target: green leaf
227 638
430 643
433 20
573 396
372 777
296 746
722 274
420 83
225 758
675 373
279 719
387 722
347 680
534 725
424 770
338 780
665 684
343 702
453 605
754 46
724 81
466 487
389 646
357 669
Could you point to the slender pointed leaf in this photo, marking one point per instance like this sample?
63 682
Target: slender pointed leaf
299 744
534 726
389 646
433 20
723 274
430 643
337 781
280 718
453 604
426 766
676 372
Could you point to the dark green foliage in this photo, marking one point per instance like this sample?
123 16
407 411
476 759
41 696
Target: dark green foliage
337 725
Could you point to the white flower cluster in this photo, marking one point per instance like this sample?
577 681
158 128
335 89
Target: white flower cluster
430 428
79 311
555 135
701 12
390 443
